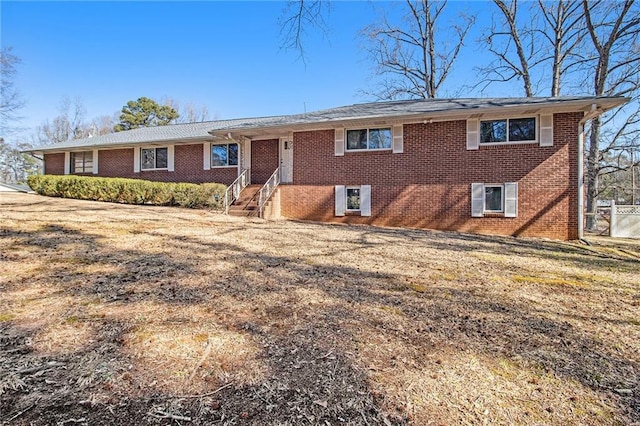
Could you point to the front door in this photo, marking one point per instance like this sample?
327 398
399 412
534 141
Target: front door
286 160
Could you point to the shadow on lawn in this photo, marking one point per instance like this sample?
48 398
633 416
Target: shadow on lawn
312 371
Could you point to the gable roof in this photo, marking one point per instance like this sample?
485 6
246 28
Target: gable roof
366 114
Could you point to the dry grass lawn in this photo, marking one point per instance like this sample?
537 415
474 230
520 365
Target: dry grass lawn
113 314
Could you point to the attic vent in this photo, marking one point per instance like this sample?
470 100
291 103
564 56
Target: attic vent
531 111
475 116
379 123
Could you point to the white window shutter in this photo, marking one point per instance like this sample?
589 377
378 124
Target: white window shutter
95 161
365 200
477 199
136 160
206 155
171 157
546 130
398 136
511 199
473 137
67 163
341 200
339 148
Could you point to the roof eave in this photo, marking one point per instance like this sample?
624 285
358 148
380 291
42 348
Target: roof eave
603 104
174 141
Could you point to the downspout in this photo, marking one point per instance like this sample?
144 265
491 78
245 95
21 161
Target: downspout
41 166
588 116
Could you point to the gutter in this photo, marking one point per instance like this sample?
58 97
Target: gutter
595 111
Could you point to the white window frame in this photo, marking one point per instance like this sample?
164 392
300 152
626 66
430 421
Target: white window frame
72 165
368 129
155 158
227 145
507 119
341 200
346 198
484 198
509 201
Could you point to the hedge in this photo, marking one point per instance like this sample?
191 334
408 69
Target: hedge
130 191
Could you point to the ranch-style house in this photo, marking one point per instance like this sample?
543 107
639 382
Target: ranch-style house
506 166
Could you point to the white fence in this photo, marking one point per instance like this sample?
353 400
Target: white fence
625 221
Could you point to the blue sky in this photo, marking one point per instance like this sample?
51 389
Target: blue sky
225 55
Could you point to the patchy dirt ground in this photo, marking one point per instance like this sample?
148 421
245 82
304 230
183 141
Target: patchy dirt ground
114 314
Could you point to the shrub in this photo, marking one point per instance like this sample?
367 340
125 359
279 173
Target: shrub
129 191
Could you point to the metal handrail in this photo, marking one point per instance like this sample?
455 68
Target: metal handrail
267 189
233 191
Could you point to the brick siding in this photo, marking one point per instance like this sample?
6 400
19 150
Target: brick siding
429 185
54 164
188 166
264 159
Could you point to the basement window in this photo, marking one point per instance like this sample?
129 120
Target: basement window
353 199
224 155
493 199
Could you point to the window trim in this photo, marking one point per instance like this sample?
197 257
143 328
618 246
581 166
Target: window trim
509 200
346 198
72 164
484 198
155 157
536 140
227 165
368 129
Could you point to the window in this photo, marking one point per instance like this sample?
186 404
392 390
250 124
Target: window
82 162
224 155
493 199
353 199
154 158
508 130
369 139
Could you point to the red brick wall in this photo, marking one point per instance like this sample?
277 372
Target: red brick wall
264 159
429 185
119 163
54 164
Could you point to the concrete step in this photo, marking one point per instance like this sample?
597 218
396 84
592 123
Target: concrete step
248 197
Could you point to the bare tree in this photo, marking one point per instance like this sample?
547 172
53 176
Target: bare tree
538 43
10 99
564 34
614 31
68 125
414 59
193 114
189 113
102 125
299 17
513 47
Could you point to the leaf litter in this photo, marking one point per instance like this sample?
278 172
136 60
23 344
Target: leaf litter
113 314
